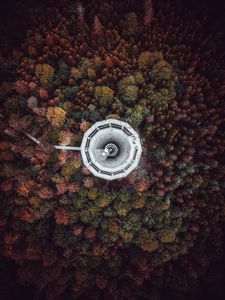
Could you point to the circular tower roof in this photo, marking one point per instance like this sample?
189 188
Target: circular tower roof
111 149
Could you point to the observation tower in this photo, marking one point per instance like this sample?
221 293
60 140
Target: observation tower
111 149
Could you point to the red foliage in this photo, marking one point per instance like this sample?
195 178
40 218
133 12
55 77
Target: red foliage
25 188
3 221
150 118
90 233
88 182
77 230
85 171
27 214
32 86
73 187
148 12
45 192
21 88
84 125
98 28
62 187
49 257
144 266
43 94
108 62
33 252
101 281
18 123
62 156
32 102
6 186
61 216
97 249
143 185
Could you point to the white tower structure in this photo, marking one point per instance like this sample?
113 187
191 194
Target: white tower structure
111 149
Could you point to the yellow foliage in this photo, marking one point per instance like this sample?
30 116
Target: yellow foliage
113 226
167 235
148 58
163 70
97 62
32 52
147 241
76 73
70 167
91 73
92 194
104 95
138 202
127 236
122 210
56 116
37 38
131 24
104 202
113 116
44 73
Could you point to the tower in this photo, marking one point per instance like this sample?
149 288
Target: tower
111 149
